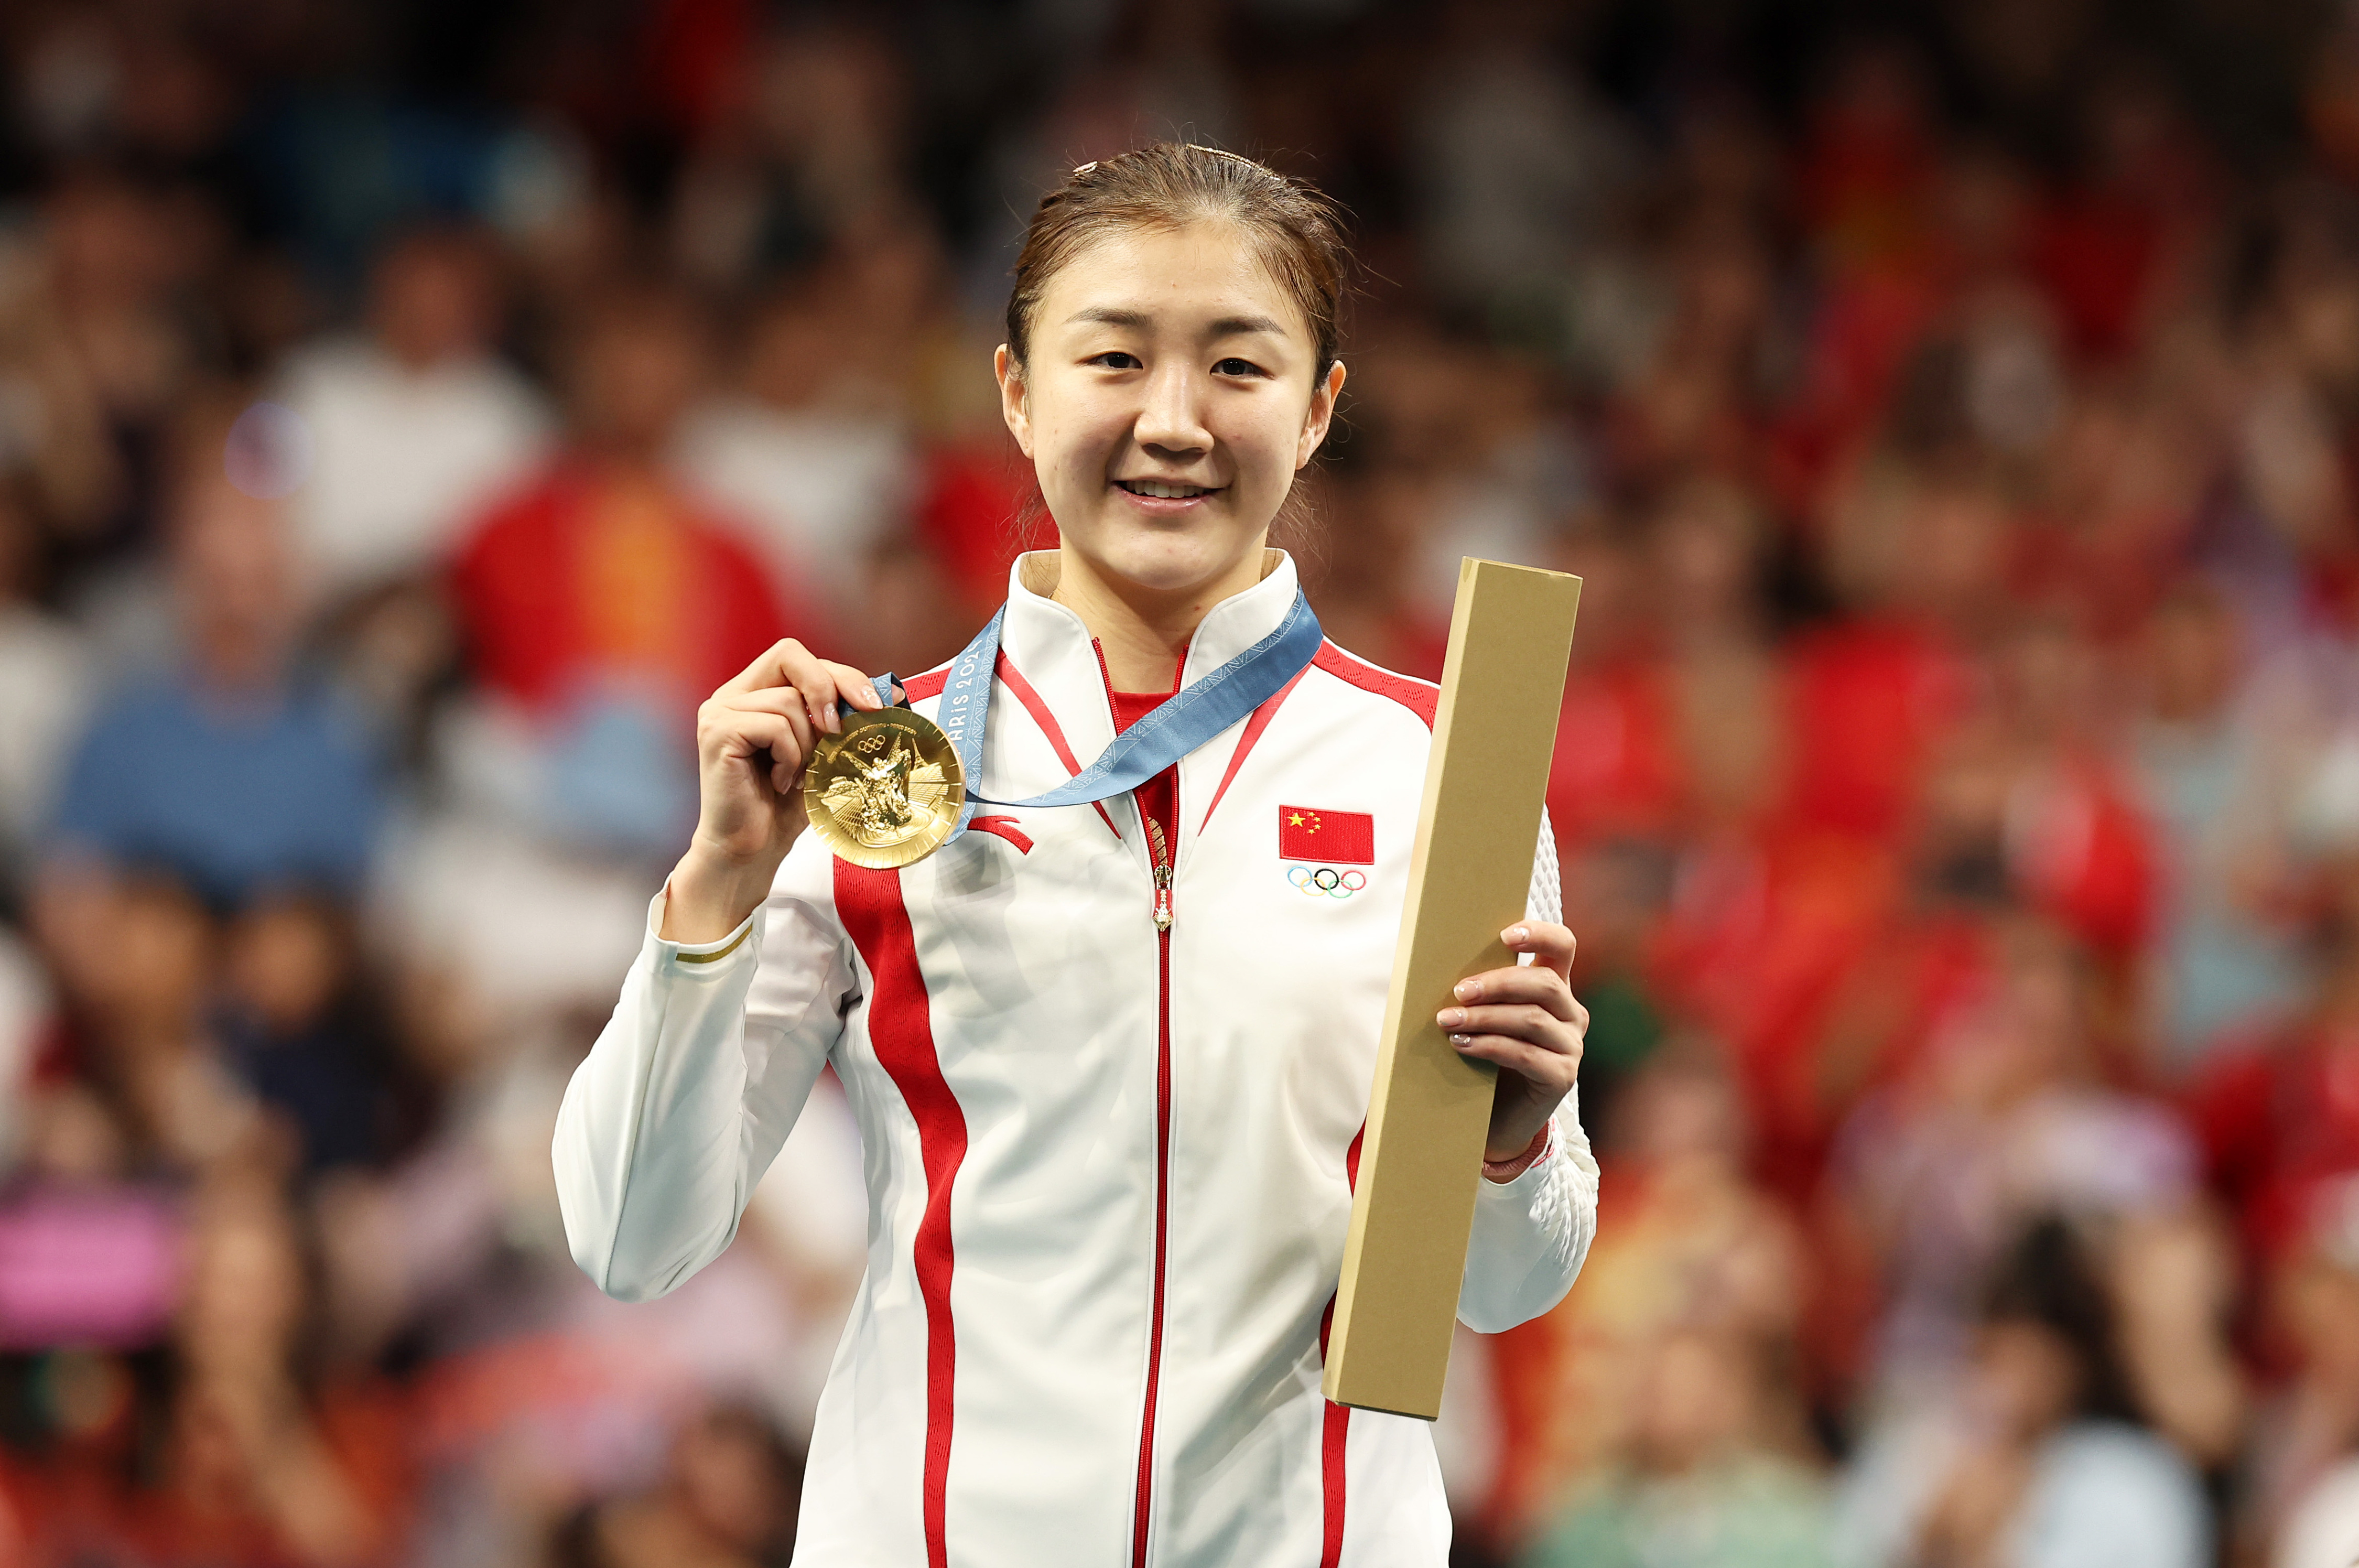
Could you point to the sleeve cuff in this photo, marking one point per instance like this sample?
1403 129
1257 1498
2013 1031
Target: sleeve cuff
695 957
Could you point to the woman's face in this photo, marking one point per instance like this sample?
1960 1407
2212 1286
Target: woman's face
1167 403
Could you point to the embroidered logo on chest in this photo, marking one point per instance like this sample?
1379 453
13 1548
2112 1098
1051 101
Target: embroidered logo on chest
1323 848
1003 827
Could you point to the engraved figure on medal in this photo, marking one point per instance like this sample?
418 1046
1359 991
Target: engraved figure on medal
872 799
885 792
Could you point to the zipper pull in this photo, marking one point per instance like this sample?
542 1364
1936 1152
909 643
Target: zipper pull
1160 852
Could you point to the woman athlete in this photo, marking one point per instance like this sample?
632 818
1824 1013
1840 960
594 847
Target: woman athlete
1110 1060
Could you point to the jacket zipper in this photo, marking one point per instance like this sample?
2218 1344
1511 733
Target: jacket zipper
1159 849
1162 856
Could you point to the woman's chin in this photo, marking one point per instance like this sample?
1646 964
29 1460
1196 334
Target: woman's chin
1174 561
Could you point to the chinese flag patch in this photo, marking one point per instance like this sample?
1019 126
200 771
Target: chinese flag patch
1335 838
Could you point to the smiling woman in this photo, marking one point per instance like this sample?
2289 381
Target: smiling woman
1170 366
1110 1064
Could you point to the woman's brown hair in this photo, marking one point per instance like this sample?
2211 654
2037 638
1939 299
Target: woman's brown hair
1169 185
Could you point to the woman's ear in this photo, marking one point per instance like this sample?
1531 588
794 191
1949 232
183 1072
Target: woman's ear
1013 407
1322 414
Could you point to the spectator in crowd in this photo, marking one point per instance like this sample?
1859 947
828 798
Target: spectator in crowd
2229 949
95 330
2002 1118
238 1445
603 601
267 1457
300 1032
137 956
811 446
411 426
728 1501
1705 1481
264 1447
1703 1278
233 769
2043 1461
2274 1115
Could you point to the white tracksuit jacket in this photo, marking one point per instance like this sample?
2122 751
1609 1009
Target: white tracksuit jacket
1109 1171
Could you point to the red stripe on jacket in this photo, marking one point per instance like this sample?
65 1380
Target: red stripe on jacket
1047 719
1334 1435
900 1028
1416 696
1335 1430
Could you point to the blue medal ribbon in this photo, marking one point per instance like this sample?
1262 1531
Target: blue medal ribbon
1180 724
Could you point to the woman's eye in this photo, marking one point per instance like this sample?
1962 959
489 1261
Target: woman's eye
1116 359
1234 366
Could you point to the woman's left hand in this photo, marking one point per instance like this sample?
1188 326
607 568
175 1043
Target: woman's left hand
1524 1020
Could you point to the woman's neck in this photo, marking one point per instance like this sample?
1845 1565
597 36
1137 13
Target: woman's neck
1143 632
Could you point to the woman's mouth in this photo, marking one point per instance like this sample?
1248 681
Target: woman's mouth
1162 490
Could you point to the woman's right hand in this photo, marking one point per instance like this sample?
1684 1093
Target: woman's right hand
753 738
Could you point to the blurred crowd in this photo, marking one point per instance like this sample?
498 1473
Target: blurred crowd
408 411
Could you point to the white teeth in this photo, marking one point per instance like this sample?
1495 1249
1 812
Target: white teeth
1161 491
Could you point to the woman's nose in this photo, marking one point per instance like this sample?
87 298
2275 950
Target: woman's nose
1172 418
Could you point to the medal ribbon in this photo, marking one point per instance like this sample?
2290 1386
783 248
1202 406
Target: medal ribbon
1180 724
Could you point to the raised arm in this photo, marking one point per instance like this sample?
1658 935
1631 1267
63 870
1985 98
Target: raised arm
753 737
699 1075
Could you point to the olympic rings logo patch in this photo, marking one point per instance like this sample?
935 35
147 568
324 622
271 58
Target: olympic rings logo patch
1325 881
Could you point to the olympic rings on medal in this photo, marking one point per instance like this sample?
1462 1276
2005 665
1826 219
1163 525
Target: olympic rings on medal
1325 881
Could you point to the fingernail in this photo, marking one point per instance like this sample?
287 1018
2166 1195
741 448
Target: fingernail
1461 1040
1451 1018
827 719
1467 990
1516 933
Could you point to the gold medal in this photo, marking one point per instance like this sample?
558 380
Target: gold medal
884 792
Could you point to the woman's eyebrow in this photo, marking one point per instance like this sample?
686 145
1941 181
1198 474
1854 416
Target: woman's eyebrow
1226 327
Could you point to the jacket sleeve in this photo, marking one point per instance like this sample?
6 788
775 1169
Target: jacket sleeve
696 1081
1531 1233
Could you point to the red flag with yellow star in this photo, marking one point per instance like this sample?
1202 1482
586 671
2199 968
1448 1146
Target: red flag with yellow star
1334 838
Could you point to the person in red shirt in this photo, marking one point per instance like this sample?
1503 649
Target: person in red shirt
606 572
600 601
2278 1114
